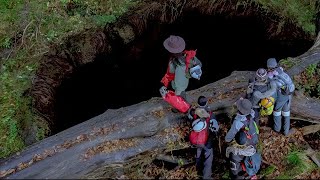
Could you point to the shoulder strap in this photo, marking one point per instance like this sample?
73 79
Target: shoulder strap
189 55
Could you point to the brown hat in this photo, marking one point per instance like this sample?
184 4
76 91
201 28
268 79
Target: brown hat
244 106
174 44
202 113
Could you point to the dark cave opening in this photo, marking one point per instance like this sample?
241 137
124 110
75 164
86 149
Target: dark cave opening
133 73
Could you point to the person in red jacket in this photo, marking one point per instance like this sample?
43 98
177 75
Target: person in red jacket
182 66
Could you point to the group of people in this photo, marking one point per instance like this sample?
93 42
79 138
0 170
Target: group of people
268 92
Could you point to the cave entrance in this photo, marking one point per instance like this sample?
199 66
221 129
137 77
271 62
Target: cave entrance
132 73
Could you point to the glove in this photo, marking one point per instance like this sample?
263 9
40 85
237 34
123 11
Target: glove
196 72
250 88
163 91
214 126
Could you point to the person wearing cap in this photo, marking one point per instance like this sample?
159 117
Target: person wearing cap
259 88
182 69
284 90
200 124
244 121
236 153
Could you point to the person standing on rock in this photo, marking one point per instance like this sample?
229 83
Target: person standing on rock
285 89
260 88
182 66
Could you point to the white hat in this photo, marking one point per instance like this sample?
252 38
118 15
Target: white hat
199 125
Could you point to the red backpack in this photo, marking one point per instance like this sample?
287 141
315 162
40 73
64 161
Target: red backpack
168 77
199 139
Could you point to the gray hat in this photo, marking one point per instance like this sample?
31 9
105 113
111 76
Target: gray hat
174 44
272 63
244 106
202 101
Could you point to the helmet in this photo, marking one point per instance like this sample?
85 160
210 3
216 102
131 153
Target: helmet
267 102
199 125
202 101
272 63
261 74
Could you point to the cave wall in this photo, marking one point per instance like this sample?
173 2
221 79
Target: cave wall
148 21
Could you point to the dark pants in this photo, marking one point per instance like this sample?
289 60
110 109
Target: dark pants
207 163
256 115
235 166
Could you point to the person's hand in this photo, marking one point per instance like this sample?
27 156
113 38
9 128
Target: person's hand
163 91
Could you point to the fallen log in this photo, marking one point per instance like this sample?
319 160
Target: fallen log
118 135
173 159
310 129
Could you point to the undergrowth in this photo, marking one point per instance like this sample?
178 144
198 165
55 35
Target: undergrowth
298 163
28 29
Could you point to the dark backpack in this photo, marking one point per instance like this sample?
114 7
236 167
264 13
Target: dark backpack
252 164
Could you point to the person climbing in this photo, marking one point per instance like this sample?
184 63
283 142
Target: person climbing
258 89
285 89
244 121
204 124
182 66
244 159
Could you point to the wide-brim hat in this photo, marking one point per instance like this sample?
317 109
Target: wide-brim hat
174 44
244 106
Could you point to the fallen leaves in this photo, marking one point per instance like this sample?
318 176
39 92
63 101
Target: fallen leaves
110 146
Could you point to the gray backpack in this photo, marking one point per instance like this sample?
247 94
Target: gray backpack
252 163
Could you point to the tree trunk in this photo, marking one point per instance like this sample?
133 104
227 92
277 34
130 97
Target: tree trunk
118 135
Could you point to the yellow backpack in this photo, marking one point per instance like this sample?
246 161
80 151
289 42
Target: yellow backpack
267 105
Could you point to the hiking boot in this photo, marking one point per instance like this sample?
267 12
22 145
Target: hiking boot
291 132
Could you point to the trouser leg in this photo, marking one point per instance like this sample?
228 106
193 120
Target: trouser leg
277 121
198 159
207 169
235 166
256 115
184 95
286 116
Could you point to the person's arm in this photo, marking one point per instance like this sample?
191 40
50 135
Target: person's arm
196 61
270 92
232 132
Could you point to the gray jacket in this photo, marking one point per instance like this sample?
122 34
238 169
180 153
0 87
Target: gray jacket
239 122
181 78
262 90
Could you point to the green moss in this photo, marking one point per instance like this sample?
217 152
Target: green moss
297 163
39 24
301 13
269 170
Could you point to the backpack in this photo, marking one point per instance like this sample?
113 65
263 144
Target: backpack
251 164
199 139
288 86
267 106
